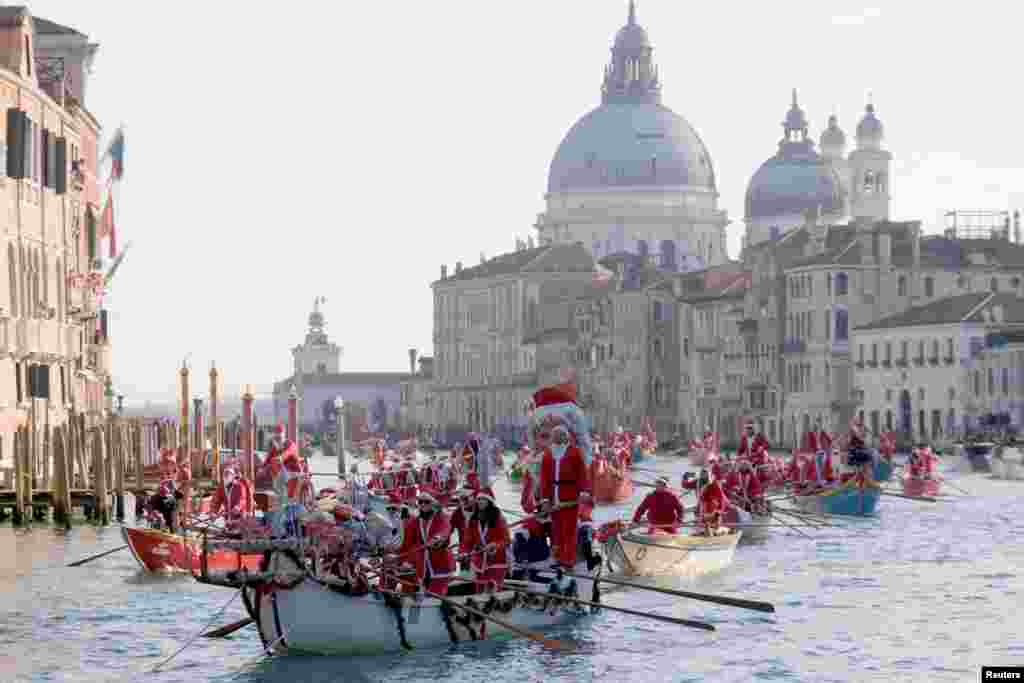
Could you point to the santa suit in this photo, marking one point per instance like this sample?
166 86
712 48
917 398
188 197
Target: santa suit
406 484
460 522
663 510
824 441
236 500
750 488
760 449
731 484
531 544
184 480
716 469
288 485
378 455
564 475
792 471
916 462
439 564
746 446
168 464
713 502
489 568
473 483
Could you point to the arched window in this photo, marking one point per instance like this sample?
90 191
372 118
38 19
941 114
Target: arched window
657 348
842 284
842 326
12 268
668 255
901 286
929 286
658 392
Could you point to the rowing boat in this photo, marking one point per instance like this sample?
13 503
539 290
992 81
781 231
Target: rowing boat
847 499
1008 463
162 552
646 553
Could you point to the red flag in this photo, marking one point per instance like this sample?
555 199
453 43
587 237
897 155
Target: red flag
108 225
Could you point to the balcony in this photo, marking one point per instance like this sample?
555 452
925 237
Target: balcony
933 360
919 361
901 363
794 346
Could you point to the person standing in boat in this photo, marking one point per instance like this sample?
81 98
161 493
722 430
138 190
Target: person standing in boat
824 439
479 468
489 539
746 448
464 510
531 549
425 540
233 496
565 482
662 507
750 491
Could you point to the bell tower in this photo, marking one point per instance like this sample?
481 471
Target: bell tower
870 170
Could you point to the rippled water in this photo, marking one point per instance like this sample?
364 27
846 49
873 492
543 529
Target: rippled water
924 592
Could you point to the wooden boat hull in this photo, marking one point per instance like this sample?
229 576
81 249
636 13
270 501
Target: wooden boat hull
917 487
643 554
160 552
314 619
845 500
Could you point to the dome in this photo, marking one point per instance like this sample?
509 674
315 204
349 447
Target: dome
790 184
833 136
631 144
632 37
870 128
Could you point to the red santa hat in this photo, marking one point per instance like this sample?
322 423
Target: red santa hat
426 497
279 430
487 497
555 395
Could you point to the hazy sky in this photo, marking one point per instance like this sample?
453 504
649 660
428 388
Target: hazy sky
276 152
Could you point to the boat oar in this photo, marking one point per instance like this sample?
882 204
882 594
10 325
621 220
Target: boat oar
79 563
600 605
719 599
947 482
225 631
526 633
926 499
649 471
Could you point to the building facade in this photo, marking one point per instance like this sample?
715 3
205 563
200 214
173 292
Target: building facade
372 399
416 402
938 370
54 338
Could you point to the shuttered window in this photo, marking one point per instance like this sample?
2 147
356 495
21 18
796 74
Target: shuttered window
60 161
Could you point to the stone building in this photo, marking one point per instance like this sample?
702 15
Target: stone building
485 320
416 412
941 368
632 175
372 399
51 317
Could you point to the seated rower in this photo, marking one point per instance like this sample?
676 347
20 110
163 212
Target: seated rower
425 543
233 496
663 510
465 508
712 503
531 549
489 539
750 490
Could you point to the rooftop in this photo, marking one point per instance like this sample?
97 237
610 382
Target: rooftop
964 308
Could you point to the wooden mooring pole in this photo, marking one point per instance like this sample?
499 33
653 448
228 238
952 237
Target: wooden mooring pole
62 478
102 510
120 461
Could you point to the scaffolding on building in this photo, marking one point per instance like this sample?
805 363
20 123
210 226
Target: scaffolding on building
983 224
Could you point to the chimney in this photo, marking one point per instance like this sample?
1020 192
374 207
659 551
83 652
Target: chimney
412 361
458 267
884 249
444 272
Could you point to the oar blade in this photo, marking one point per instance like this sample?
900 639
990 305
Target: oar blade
225 631
79 563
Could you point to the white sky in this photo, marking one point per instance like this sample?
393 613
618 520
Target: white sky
276 152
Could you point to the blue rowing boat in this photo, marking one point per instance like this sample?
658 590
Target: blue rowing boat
848 499
882 470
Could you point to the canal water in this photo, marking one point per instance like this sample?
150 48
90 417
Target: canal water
924 592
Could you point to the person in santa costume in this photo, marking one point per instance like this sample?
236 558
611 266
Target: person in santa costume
824 438
730 477
528 498
478 468
809 444
465 507
746 441
565 481
712 505
406 482
489 539
233 497
818 471
289 486
425 541
531 549
663 509
750 491
266 472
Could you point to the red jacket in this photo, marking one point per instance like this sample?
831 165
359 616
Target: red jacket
563 480
824 441
480 536
662 507
810 473
417 534
810 442
732 483
236 503
750 486
459 523
746 447
713 499
527 500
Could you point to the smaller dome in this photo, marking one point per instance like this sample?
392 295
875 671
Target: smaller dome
833 136
870 128
316 319
632 37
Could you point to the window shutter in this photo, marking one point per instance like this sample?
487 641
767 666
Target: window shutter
90 226
15 142
60 166
26 146
44 157
51 161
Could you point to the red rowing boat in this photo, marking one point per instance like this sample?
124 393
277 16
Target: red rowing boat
159 551
919 486
610 484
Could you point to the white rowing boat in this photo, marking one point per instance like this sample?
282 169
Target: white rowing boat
1008 463
640 553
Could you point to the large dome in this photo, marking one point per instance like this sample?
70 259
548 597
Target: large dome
790 184
622 144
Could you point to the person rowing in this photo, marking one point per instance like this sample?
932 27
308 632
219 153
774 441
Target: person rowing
662 508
